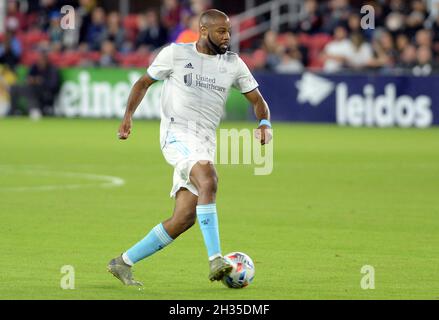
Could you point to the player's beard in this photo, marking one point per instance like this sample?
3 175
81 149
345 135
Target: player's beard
214 47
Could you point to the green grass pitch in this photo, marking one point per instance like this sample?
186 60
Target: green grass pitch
338 199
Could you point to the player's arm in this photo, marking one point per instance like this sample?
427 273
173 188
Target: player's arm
262 113
136 95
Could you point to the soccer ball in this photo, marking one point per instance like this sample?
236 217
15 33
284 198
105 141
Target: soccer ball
243 270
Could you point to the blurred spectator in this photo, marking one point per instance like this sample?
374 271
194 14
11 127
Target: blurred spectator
108 55
416 17
435 31
360 53
199 6
291 62
15 20
395 22
407 58
190 34
55 32
47 8
433 8
385 53
394 6
337 14
171 14
335 52
97 30
184 24
152 33
7 78
424 62
10 51
272 50
354 23
83 18
424 38
43 84
402 41
399 25
292 44
395 15
310 21
115 32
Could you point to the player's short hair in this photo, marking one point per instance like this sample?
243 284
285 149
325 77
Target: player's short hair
208 16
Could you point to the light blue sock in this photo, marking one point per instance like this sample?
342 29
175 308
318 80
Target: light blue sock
154 241
208 221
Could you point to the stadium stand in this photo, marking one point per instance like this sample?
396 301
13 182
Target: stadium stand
398 24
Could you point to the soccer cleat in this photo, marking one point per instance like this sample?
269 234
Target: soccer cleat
118 268
219 267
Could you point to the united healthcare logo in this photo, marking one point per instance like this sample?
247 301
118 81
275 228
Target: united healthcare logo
188 79
366 109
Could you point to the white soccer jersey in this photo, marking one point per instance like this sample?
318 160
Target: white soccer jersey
196 86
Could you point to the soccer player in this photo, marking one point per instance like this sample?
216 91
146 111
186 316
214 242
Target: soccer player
197 78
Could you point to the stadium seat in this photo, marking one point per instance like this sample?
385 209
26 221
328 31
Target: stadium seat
71 58
32 38
130 25
29 57
32 19
259 58
319 41
304 39
92 56
56 58
244 25
134 59
315 44
248 60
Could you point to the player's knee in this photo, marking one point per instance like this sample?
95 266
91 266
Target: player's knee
208 185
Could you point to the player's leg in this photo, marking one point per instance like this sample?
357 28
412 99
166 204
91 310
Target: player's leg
203 176
164 233
184 215
159 237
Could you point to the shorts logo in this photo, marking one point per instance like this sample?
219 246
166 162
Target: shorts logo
188 79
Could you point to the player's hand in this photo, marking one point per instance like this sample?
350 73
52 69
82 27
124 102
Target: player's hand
264 134
125 129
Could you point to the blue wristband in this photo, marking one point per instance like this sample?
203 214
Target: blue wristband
265 122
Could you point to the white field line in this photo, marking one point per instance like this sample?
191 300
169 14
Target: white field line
98 180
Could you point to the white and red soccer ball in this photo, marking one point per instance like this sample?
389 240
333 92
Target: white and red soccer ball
243 270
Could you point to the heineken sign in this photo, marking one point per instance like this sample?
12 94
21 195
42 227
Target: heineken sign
103 93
